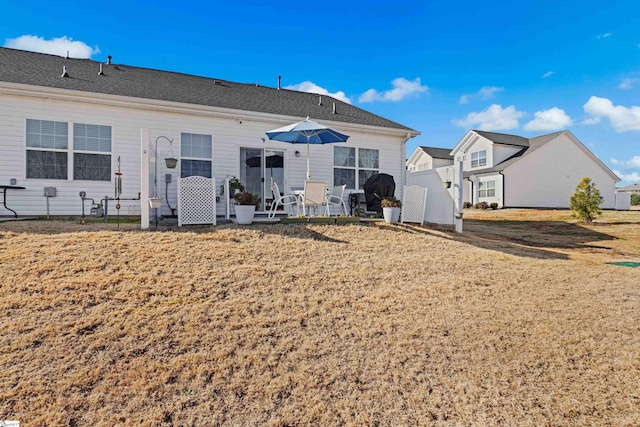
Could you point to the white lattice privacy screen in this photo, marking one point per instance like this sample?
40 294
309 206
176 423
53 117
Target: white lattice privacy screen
196 200
414 203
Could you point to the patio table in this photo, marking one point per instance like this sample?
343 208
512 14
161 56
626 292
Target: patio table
4 189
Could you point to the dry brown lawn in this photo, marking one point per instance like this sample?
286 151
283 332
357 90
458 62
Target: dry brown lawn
519 321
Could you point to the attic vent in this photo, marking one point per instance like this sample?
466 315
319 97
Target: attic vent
108 59
65 71
334 108
100 73
320 100
217 82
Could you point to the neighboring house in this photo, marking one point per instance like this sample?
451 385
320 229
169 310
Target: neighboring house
425 158
73 132
635 188
541 172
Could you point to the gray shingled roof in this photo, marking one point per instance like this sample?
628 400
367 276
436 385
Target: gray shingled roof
532 145
17 66
438 153
503 138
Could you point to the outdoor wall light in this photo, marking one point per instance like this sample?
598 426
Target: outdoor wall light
297 153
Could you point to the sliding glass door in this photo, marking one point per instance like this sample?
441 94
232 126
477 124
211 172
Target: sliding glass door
258 169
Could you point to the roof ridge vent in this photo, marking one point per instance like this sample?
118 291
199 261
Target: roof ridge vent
217 82
65 71
101 73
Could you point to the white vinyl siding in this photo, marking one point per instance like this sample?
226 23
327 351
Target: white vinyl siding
47 143
344 165
195 153
90 142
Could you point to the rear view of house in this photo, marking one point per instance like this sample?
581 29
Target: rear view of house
72 124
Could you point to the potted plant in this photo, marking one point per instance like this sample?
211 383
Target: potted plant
235 186
391 209
245 207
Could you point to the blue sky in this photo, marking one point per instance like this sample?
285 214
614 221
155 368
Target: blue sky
440 67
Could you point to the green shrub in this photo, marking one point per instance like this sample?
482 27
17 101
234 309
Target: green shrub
493 206
586 201
635 199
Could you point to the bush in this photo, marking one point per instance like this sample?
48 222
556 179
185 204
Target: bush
493 206
481 205
635 199
466 205
246 199
586 201
391 202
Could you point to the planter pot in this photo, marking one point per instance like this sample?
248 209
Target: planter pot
347 220
171 162
245 213
391 215
322 220
155 202
294 220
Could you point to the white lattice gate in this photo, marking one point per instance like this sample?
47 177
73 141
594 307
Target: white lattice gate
196 200
414 203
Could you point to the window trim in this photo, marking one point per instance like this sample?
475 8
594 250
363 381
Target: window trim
356 168
73 150
56 150
204 159
481 160
489 186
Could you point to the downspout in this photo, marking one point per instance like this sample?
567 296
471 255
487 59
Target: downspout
472 192
503 192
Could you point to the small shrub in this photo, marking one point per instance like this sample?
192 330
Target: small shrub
391 202
493 206
246 199
466 205
635 199
586 201
481 205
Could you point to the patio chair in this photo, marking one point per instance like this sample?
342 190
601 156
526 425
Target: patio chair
315 195
282 200
335 198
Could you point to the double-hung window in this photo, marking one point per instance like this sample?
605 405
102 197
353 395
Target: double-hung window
486 189
195 153
47 144
91 152
349 163
479 158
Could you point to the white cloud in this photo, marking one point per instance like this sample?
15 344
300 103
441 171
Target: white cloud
311 87
633 163
622 119
402 88
628 83
492 118
628 177
486 92
551 119
548 74
56 46
604 35
591 121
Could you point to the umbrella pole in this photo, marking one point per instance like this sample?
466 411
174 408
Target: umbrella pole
308 170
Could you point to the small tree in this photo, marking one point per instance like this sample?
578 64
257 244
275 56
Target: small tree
635 199
586 201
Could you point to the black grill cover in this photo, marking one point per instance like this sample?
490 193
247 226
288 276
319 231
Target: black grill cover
376 188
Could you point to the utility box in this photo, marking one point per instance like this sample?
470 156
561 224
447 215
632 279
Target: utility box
50 191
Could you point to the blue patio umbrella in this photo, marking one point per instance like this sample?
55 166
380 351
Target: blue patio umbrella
307 132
